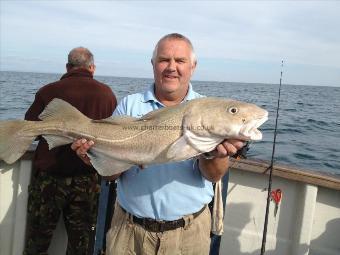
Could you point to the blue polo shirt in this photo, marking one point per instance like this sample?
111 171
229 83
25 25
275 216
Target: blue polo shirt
164 191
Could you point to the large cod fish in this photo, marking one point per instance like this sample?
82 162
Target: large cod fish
172 133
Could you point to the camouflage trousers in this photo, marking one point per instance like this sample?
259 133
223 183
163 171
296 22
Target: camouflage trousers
49 196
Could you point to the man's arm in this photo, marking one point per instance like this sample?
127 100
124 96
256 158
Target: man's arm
35 109
214 169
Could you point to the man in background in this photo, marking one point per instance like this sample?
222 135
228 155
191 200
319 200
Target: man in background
61 182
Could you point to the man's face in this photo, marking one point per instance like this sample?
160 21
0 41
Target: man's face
173 67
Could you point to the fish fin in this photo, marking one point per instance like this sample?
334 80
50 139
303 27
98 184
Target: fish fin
117 120
55 140
106 165
201 143
181 150
190 145
13 140
62 110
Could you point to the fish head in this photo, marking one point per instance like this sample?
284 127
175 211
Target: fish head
233 119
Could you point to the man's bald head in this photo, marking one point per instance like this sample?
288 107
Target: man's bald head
80 57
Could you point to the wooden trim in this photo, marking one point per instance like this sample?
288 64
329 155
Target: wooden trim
331 181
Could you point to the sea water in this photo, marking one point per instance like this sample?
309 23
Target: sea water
308 124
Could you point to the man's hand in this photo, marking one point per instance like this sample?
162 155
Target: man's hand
227 148
81 146
214 169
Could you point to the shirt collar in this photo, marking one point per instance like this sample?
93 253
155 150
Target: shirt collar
77 72
191 94
149 95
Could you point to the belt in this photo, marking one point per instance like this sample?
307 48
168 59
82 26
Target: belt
161 226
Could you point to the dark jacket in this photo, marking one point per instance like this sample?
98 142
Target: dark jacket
94 99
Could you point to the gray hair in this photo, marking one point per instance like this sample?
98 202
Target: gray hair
175 36
80 57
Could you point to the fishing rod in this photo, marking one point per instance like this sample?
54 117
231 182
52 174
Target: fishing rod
270 168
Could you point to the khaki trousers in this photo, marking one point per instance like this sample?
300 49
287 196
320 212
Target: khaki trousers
126 237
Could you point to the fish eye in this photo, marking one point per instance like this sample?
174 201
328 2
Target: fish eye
233 110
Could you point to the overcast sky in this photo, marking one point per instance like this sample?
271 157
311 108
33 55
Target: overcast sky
240 41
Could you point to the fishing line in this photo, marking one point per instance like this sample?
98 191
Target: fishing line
270 168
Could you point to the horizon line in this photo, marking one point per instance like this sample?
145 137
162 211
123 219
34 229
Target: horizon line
243 82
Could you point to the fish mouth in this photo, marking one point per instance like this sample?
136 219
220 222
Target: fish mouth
250 130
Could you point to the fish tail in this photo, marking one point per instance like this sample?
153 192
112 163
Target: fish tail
14 141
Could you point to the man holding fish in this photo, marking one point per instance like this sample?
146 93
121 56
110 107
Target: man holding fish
162 209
